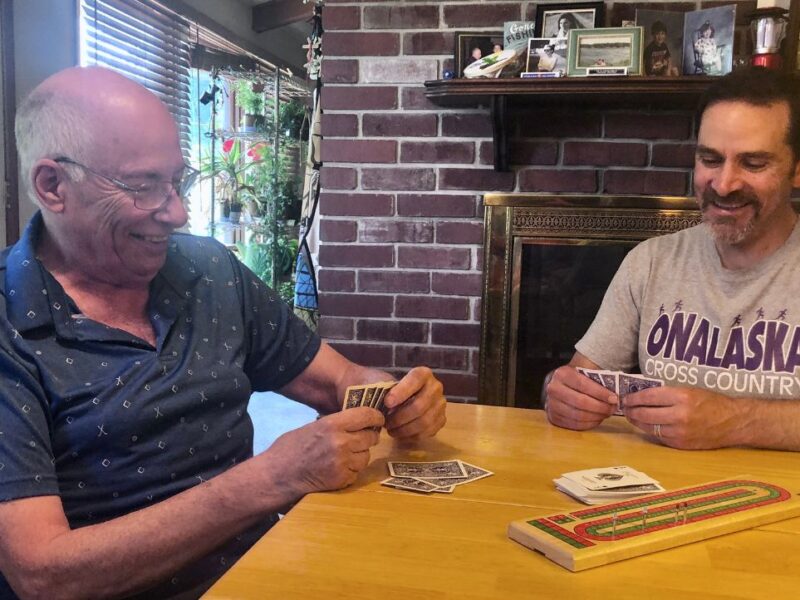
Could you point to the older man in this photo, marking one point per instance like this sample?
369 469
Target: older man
128 354
713 310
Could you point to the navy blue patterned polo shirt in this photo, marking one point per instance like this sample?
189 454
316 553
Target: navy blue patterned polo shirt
110 424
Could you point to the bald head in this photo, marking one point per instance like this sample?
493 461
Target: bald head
89 114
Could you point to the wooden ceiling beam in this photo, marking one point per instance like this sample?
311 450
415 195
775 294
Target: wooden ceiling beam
271 15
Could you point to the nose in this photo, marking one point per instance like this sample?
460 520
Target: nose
173 211
726 179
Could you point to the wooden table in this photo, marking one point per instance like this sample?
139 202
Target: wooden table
370 541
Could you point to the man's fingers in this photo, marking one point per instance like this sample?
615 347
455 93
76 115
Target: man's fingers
572 417
581 399
356 419
419 380
425 425
659 396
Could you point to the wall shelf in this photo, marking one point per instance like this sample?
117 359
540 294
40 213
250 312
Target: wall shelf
679 93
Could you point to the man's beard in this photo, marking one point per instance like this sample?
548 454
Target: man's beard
728 230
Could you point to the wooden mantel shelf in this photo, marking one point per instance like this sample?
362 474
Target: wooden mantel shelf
602 92
660 91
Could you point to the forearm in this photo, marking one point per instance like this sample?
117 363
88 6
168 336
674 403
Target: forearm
773 424
135 551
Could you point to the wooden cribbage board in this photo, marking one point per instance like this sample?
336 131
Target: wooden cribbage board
582 539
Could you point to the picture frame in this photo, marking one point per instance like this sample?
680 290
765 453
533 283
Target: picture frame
543 57
613 48
662 41
708 41
466 42
555 20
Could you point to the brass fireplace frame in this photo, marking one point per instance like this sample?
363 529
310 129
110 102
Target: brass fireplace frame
511 219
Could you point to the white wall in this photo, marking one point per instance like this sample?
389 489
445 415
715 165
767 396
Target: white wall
45 41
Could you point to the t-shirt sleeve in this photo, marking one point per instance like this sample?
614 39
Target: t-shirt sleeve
612 339
27 466
279 345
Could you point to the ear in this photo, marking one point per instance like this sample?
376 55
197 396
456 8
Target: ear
796 175
48 180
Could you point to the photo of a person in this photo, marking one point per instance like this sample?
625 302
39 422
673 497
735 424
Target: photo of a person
708 41
543 56
663 56
706 50
657 57
557 20
550 61
476 54
472 47
566 21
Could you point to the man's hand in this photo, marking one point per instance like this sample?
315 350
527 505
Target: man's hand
687 418
327 454
576 402
416 405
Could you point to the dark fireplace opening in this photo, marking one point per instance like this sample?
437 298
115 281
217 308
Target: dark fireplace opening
548 260
561 288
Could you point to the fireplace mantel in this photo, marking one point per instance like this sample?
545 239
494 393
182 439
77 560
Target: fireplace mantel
513 221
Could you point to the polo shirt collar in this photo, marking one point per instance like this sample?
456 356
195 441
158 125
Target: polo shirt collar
35 299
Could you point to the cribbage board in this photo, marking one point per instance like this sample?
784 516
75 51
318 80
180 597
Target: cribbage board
588 537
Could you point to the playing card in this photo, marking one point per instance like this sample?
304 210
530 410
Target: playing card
608 477
628 384
353 396
369 393
409 483
608 379
444 469
385 386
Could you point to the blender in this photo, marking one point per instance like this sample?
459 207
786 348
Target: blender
768 28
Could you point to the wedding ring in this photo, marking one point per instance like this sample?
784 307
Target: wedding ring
657 430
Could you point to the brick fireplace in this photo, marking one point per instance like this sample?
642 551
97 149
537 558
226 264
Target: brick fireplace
401 214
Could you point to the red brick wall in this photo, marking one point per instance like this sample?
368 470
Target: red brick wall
401 220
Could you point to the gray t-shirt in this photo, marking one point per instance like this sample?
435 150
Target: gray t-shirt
675 312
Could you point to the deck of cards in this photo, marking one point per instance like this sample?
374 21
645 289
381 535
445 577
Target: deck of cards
607 484
440 476
371 395
620 383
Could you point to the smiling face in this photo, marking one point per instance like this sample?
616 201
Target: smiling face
744 174
97 233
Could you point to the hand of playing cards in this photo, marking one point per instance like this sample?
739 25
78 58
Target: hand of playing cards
371 395
620 383
440 476
607 484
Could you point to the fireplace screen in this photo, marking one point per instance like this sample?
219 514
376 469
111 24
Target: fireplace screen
548 262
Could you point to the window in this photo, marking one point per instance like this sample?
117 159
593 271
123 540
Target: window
146 42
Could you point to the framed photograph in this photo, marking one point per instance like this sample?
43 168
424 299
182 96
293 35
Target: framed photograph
543 57
554 21
472 46
614 48
708 41
663 42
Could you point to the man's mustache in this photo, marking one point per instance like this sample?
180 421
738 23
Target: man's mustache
739 197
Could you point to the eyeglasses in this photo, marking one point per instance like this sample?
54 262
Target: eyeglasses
147 196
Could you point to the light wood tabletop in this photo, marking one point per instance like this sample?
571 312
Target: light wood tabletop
370 541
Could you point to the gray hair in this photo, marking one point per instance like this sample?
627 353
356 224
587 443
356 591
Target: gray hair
50 126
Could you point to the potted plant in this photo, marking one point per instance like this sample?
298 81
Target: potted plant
250 99
229 172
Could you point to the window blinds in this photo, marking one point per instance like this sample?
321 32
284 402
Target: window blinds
146 42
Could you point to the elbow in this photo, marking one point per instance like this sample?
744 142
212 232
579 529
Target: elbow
37 583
